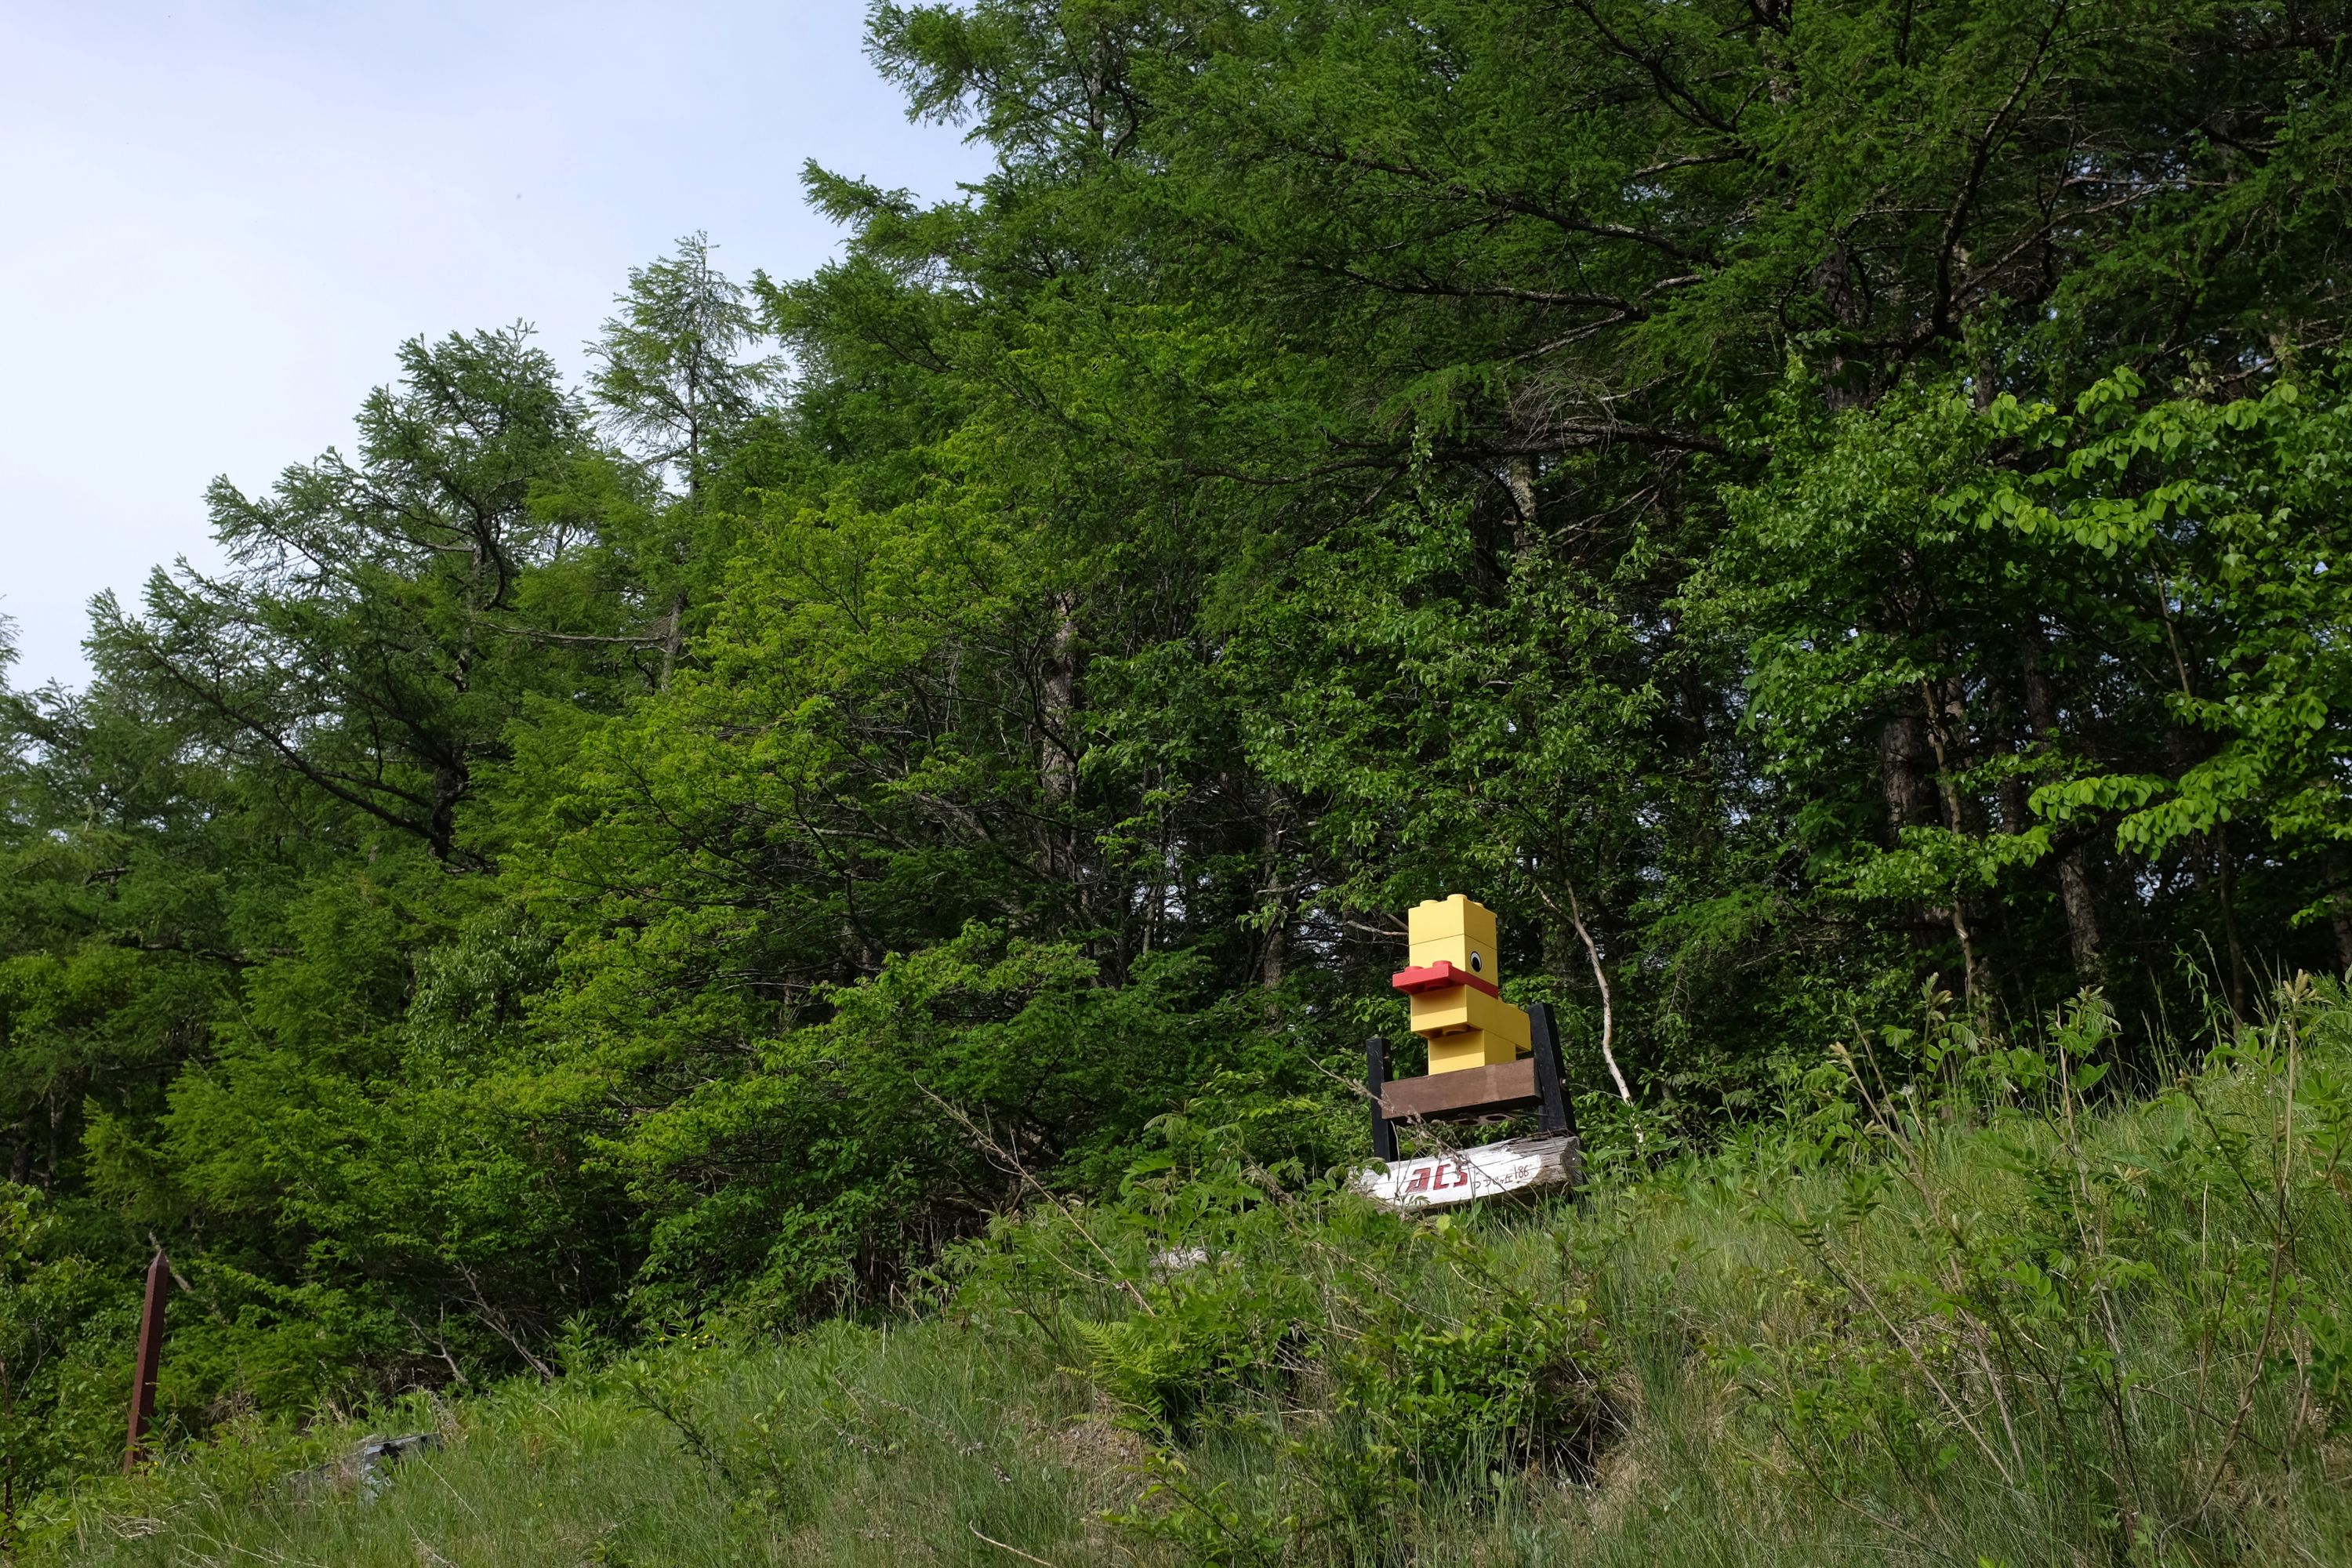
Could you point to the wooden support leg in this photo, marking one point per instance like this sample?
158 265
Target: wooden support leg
1557 1112
1376 1082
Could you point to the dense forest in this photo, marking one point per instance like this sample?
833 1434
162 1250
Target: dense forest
1788 503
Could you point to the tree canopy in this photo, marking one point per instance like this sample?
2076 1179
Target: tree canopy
1780 501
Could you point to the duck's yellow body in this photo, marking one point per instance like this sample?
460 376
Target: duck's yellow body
1452 980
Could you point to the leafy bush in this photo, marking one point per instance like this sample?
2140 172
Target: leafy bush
1378 1365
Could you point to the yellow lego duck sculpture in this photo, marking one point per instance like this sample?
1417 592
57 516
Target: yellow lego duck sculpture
1452 980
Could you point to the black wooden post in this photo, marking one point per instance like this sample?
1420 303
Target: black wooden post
1557 1112
1376 1083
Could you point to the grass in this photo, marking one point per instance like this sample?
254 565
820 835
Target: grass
888 1446
1954 1315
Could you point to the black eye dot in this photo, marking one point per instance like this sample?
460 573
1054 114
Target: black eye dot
1475 967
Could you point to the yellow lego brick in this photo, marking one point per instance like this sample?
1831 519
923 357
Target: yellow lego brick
1459 1007
1469 1049
1455 930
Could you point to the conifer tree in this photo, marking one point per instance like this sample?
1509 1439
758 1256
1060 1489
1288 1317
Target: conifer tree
670 380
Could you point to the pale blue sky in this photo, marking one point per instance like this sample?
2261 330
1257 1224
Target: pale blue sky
225 216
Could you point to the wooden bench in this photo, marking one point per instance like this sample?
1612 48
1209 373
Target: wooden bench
1535 1082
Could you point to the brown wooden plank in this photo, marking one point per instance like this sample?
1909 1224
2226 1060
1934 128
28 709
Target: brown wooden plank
1471 1091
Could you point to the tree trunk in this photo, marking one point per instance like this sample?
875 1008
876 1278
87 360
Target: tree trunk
449 784
1608 1003
673 637
1058 766
1903 757
1057 762
2339 909
1277 929
1520 477
2224 884
1940 709
2083 936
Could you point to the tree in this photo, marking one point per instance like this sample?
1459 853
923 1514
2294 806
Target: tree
668 377
669 382
1780 501
383 620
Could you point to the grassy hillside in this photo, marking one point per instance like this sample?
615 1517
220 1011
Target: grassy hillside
1775 501
1976 1308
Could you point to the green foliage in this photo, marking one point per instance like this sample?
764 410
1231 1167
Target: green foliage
1960 1301
2109 1315
1782 502
1374 1363
383 620
2233 511
63 1330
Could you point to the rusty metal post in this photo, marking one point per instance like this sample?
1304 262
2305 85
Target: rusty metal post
151 1358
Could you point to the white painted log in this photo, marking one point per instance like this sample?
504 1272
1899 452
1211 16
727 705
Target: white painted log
1440 1181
